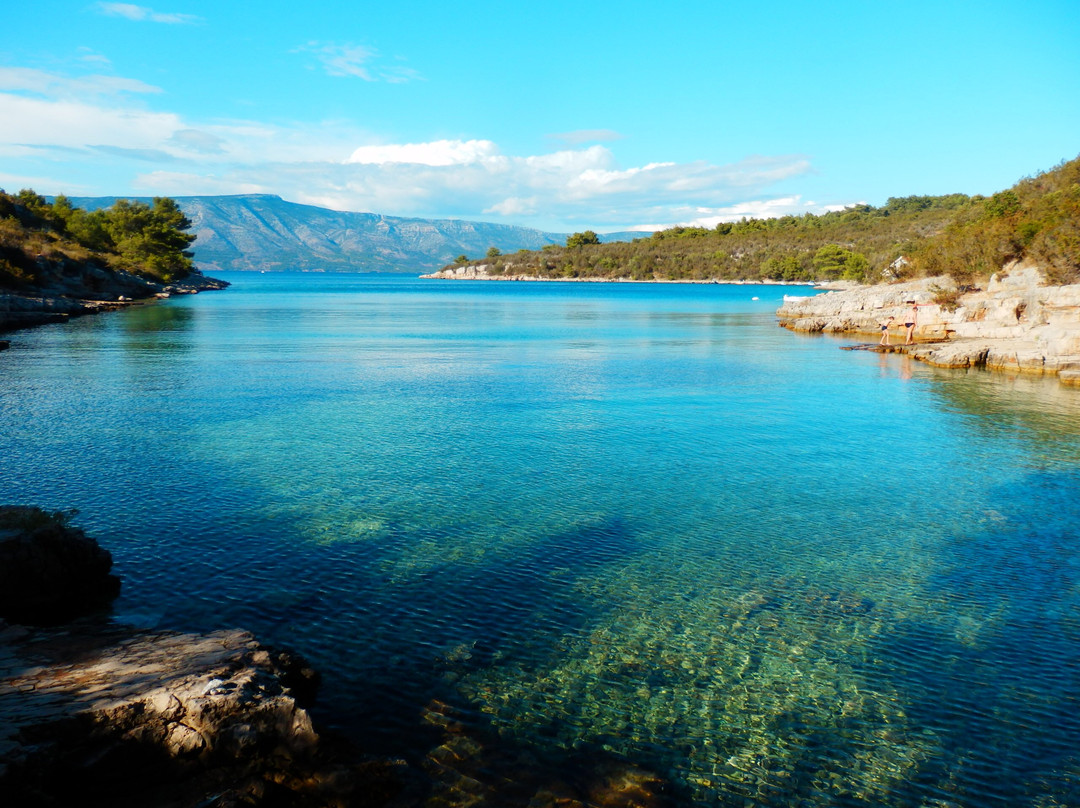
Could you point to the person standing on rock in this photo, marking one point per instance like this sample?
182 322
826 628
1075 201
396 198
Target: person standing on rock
885 331
910 322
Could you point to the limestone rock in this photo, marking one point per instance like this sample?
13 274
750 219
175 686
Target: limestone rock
105 714
1016 323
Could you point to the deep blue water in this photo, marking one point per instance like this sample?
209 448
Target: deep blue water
588 521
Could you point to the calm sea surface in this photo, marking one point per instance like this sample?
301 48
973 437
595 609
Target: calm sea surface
580 524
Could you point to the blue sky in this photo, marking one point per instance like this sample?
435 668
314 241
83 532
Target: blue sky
562 116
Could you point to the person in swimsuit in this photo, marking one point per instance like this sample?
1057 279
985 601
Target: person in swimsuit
909 323
885 331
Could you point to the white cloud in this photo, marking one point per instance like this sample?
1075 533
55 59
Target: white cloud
472 180
358 61
98 126
76 124
177 183
580 136
436 153
198 141
90 56
52 85
749 209
144 14
514 206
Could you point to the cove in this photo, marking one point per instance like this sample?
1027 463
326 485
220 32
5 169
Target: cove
578 520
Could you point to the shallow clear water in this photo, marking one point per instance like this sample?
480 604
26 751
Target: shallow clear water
582 522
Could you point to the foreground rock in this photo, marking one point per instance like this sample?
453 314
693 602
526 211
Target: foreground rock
1016 323
50 572
108 715
94 713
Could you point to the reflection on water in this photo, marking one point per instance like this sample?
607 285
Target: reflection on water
521 527
1003 403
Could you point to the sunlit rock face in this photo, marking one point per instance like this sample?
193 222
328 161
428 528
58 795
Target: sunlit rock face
1015 323
102 710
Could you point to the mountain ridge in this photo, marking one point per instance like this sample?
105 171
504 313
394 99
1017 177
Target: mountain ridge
265 232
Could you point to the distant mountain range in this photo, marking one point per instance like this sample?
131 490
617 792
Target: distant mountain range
264 232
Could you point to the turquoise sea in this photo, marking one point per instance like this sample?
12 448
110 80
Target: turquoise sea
532 530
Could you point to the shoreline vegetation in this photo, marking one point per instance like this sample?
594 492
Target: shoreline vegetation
58 261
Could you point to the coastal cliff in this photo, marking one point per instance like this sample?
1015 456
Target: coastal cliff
1016 322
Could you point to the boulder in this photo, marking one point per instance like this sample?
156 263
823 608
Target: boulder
102 714
50 572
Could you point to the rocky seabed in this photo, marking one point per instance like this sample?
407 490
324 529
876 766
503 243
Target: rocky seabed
1016 323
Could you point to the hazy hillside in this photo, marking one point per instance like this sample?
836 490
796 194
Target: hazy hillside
256 232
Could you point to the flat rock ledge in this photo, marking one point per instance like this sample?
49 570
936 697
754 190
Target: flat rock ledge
1016 324
102 714
106 711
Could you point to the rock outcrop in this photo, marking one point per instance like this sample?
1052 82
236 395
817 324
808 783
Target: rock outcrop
69 288
50 572
1015 323
98 714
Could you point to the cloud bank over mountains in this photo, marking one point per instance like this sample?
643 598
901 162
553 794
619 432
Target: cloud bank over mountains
336 165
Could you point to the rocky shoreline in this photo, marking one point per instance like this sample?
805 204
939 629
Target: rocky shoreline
1015 323
75 290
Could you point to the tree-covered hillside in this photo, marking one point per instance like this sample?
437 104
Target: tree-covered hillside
39 239
956 234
